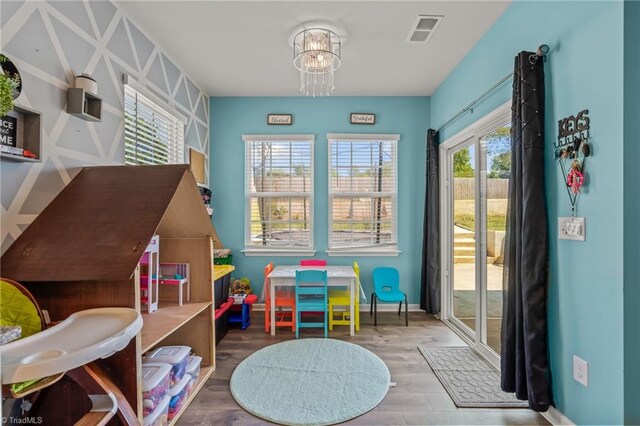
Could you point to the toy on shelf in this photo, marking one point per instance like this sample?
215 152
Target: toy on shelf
243 300
176 274
149 273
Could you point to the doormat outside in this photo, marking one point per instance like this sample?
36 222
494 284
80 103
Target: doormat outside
468 378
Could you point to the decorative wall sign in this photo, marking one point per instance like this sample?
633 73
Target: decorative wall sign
8 130
279 119
196 161
362 118
571 152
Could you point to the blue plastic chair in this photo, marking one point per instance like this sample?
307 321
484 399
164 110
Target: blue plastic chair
311 296
386 288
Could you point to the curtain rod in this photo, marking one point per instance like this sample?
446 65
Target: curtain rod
541 52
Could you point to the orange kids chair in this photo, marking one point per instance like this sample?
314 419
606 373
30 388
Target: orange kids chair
284 299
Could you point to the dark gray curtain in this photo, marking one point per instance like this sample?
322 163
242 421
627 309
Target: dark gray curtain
430 281
525 368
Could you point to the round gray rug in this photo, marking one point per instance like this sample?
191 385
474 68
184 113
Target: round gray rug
310 382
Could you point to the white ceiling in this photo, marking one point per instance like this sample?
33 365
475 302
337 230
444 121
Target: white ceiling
243 48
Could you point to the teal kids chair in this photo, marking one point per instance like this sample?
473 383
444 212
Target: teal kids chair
311 296
386 288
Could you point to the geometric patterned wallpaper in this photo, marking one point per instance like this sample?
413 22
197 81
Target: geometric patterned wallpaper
51 42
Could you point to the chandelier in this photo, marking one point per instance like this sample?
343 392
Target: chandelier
316 53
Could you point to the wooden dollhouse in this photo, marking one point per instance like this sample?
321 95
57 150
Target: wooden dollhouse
84 251
149 275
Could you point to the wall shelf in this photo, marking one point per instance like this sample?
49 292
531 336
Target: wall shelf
83 104
28 134
19 159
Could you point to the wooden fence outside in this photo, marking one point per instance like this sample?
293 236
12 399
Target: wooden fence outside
465 188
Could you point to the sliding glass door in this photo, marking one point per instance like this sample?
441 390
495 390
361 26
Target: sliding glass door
475 171
463 276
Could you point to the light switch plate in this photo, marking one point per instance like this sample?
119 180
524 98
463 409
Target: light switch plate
581 371
571 228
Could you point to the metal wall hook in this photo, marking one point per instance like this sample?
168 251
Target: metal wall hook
541 52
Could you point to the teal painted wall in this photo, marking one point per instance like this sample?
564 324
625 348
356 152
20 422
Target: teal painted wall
232 117
631 211
584 70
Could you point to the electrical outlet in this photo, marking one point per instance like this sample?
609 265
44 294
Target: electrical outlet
571 228
581 371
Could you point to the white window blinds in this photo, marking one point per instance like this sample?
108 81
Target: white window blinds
152 135
363 191
279 192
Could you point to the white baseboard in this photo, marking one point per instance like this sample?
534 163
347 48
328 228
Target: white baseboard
382 307
555 417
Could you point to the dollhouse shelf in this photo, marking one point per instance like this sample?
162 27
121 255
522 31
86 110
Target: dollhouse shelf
83 251
205 373
167 319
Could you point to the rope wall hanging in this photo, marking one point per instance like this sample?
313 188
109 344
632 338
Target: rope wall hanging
571 152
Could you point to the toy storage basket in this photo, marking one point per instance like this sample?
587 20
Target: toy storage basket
222 257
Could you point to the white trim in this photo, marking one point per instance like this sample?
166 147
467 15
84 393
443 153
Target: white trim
138 87
254 250
486 121
365 252
470 136
276 251
363 136
278 137
556 417
375 250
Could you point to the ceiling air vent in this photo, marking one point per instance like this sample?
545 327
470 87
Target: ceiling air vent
423 28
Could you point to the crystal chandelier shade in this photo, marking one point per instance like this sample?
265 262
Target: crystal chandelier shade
316 53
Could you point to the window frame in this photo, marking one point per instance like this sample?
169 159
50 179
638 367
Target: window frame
160 104
391 249
253 250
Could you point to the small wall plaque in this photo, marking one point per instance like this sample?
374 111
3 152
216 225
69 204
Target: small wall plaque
8 130
361 118
279 119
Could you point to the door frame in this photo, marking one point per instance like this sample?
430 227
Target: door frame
471 133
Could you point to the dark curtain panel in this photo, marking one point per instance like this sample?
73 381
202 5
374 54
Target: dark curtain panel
430 281
525 368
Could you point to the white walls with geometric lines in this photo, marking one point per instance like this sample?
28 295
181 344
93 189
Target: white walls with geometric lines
51 42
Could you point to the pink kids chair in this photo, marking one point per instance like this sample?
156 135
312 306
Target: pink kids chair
313 262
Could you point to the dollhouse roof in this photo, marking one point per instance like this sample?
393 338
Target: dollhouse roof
98 227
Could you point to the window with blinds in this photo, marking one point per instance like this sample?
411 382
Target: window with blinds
279 192
152 135
363 192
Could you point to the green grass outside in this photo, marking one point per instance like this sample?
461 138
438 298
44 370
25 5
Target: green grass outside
495 222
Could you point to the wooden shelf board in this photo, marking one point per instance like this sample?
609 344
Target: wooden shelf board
86 116
220 271
205 373
168 317
19 158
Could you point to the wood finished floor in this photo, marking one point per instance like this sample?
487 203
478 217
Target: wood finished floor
417 399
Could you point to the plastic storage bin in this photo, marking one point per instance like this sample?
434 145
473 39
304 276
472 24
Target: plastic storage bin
178 395
159 416
221 290
155 385
177 356
193 367
222 326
